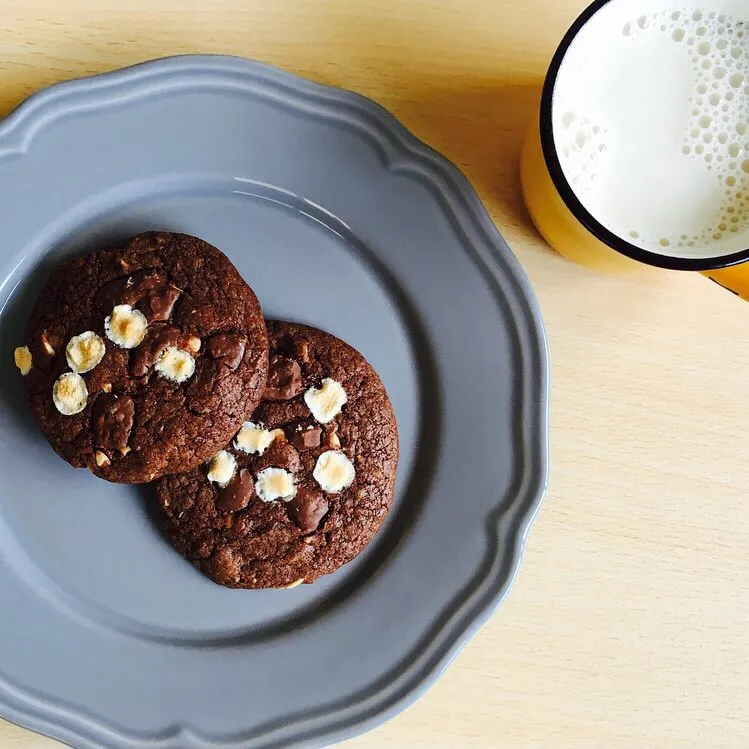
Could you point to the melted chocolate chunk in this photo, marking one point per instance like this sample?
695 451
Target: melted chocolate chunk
307 509
237 494
228 348
306 438
154 296
284 379
113 420
149 291
111 294
158 337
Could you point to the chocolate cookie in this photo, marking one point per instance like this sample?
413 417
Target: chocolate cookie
145 360
303 487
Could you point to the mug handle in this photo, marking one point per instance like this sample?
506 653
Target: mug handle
734 279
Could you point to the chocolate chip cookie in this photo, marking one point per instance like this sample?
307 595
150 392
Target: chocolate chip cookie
145 360
302 487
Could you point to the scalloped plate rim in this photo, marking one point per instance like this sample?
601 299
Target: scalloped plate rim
335 723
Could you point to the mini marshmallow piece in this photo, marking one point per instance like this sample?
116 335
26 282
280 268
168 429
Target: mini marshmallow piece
326 402
84 351
334 471
222 467
275 483
126 326
23 360
70 394
176 365
252 438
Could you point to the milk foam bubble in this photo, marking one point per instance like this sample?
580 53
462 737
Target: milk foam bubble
651 124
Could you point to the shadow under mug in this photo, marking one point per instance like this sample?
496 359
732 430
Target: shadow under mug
570 228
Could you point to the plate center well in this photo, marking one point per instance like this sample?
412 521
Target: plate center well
96 548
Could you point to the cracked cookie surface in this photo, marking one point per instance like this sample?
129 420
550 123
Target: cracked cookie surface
145 360
305 484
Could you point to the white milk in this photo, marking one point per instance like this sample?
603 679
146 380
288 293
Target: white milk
651 123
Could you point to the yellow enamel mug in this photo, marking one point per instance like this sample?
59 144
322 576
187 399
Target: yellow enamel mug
713 36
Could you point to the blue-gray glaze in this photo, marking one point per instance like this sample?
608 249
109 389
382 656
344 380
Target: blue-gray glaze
337 217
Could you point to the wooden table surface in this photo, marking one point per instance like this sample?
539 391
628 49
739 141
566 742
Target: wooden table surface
628 623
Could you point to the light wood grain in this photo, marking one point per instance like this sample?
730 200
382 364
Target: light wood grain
627 626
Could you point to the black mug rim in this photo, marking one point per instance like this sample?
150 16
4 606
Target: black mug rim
568 195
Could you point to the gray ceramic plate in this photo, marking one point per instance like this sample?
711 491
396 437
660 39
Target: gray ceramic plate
340 218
